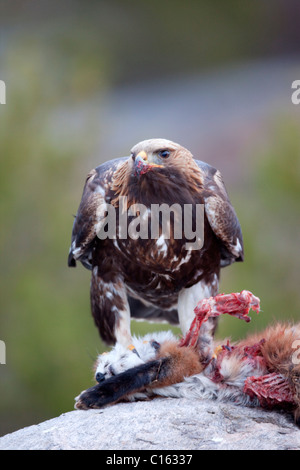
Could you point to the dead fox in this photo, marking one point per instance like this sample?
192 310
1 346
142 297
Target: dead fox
261 370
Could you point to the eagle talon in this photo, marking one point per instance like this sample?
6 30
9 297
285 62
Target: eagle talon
131 347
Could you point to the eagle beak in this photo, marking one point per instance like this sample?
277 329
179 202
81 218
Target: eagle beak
142 164
142 155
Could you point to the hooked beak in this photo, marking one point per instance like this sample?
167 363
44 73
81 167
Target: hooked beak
142 156
142 164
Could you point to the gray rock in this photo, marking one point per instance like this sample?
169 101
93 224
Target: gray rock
161 424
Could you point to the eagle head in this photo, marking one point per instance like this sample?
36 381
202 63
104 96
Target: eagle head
155 171
156 154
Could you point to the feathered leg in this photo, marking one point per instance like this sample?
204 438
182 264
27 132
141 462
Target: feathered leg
110 308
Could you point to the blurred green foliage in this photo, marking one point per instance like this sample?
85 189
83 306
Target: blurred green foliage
53 61
40 299
268 209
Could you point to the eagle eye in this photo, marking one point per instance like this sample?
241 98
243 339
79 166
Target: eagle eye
164 153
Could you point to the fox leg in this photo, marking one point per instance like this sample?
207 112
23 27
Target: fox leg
200 333
120 386
171 365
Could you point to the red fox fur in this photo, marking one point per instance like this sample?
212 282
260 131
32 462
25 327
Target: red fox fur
261 370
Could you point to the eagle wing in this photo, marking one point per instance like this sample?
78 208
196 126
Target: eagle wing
221 215
89 216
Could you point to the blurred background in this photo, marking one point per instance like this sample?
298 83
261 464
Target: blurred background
85 82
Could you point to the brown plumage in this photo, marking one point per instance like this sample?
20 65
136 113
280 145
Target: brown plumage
154 278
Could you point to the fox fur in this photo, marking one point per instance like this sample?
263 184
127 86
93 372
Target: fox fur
261 370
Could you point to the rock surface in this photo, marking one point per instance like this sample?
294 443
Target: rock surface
161 424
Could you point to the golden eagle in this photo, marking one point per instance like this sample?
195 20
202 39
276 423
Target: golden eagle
156 278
